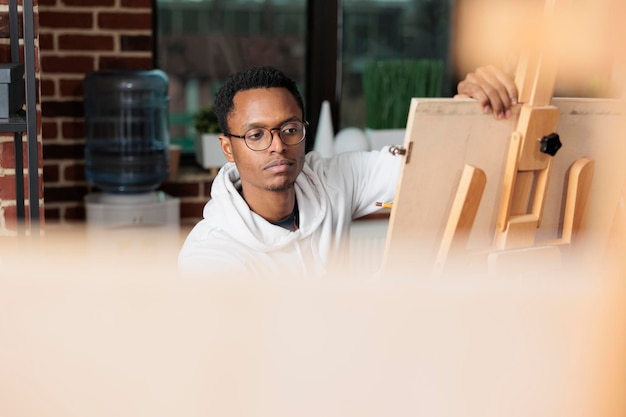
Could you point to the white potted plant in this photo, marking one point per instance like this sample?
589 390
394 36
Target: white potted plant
208 151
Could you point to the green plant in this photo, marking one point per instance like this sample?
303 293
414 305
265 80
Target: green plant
389 85
205 121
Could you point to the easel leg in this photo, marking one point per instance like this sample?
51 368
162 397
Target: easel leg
578 189
616 245
577 200
462 216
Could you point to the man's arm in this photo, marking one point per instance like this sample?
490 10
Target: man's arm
492 88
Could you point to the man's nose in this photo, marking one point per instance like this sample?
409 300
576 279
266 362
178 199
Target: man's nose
277 144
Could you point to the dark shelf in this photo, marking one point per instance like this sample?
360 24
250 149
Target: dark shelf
25 121
15 123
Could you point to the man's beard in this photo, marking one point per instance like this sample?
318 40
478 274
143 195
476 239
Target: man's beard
279 188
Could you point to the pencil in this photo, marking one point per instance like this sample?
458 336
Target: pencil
384 205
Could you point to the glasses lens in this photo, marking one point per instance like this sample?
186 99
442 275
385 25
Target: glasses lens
258 139
292 133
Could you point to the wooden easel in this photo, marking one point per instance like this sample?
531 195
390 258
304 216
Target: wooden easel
528 167
523 187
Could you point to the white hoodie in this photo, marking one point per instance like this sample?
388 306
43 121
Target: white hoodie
330 193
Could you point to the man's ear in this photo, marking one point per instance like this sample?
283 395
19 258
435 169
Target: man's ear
227 148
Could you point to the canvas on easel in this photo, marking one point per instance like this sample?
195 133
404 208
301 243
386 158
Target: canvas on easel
444 136
538 198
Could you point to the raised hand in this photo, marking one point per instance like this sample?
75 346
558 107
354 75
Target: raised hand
494 90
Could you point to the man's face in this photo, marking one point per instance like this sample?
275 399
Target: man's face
275 168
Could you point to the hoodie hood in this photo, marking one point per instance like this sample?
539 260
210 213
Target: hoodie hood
242 224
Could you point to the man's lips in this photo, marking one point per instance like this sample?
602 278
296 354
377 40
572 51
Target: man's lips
279 165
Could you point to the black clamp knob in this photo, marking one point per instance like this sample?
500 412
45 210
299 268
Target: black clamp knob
550 144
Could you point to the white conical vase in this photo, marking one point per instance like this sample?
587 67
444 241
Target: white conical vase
325 134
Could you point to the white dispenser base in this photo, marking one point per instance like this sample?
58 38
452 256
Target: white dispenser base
124 210
133 226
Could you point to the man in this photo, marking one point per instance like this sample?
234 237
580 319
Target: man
275 210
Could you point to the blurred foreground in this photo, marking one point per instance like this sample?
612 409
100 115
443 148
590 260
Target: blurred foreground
117 331
100 326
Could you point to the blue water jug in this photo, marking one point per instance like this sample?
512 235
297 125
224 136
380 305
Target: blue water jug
127 130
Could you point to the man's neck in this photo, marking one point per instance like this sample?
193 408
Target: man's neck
273 206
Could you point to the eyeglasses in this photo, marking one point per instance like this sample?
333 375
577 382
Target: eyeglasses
260 138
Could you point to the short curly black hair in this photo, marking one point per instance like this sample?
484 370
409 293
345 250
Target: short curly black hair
249 78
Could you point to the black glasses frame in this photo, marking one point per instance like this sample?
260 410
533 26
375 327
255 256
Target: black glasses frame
305 124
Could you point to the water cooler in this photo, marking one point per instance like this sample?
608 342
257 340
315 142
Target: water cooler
127 150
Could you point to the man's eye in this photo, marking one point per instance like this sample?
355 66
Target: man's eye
291 129
254 135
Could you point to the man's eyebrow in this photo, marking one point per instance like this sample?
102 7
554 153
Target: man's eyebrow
252 125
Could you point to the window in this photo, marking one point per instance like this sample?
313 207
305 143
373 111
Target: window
201 42
399 45
327 52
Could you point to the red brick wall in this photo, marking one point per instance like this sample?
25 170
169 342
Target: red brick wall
8 211
78 37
